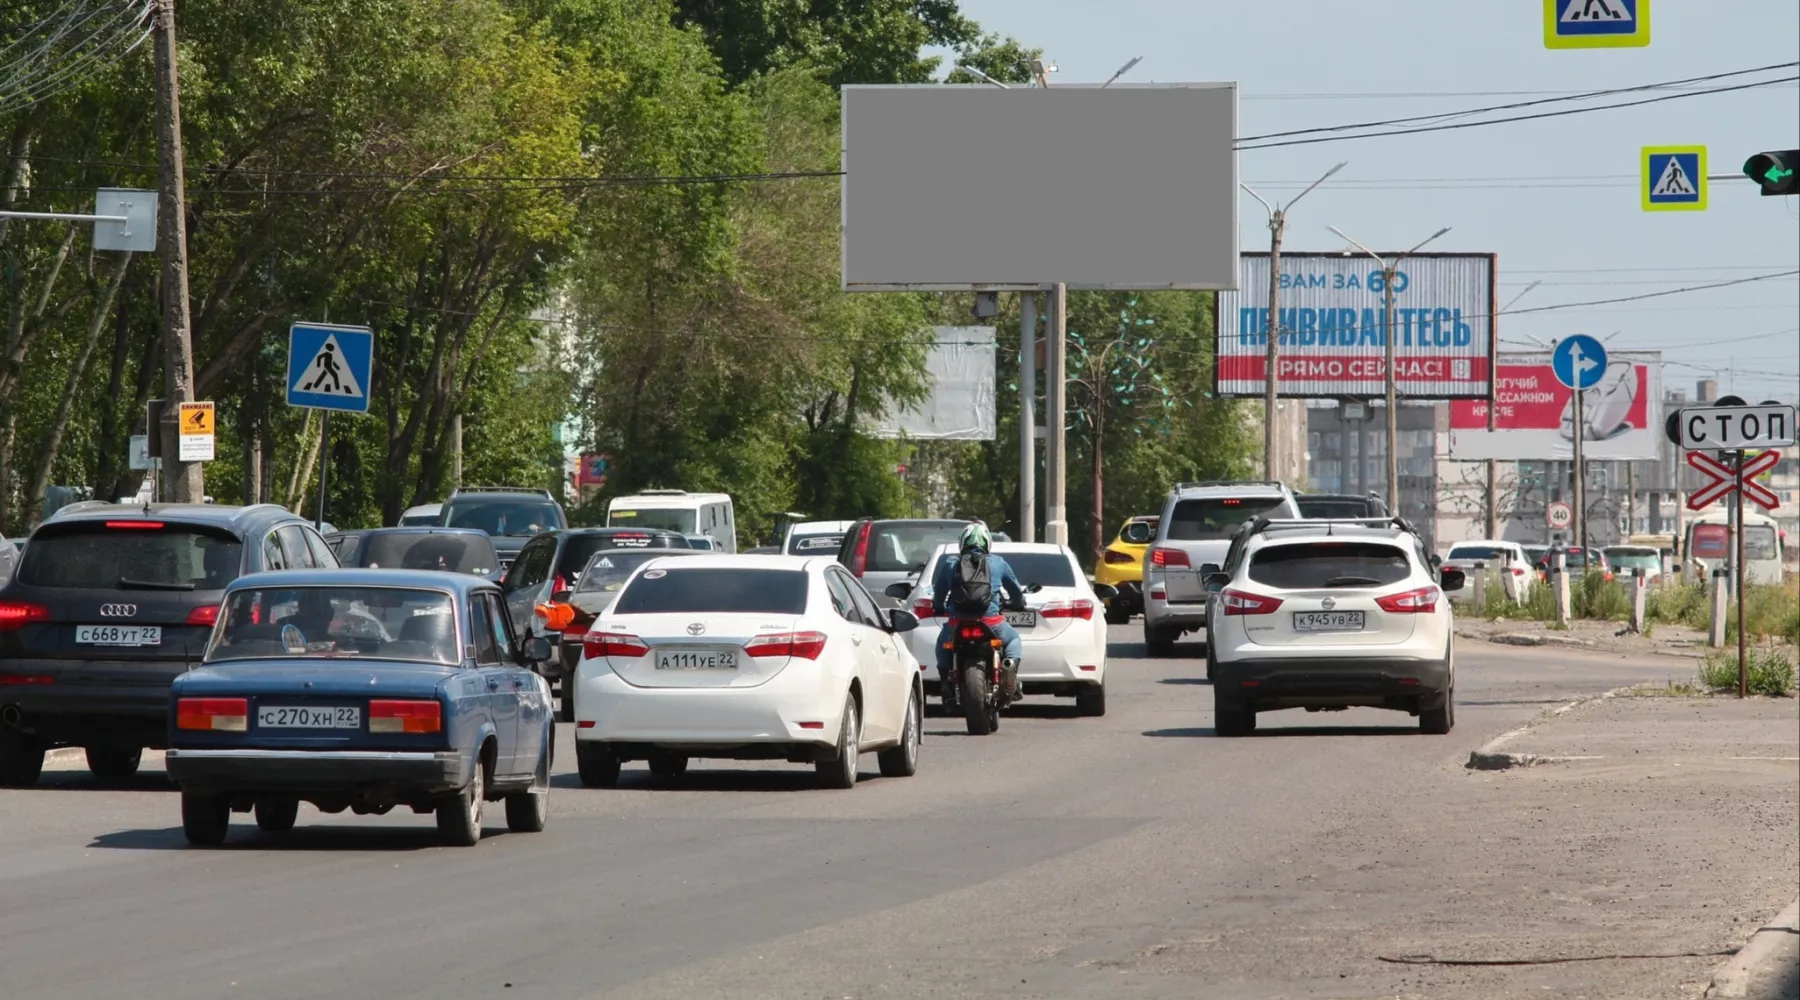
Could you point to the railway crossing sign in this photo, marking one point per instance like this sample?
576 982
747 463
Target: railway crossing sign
1596 24
1726 480
1559 515
1673 178
329 367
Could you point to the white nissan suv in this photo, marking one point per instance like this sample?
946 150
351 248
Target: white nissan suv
1329 615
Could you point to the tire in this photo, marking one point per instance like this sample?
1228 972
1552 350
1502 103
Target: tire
1159 643
1091 700
565 712
1439 721
277 816
668 765
529 811
205 819
1118 616
21 760
1210 662
459 816
974 702
114 763
597 766
903 761
841 773
1232 719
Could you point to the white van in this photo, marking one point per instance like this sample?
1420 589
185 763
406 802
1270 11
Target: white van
707 514
1708 546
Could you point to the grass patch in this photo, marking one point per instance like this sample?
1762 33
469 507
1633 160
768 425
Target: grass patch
1771 672
1770 612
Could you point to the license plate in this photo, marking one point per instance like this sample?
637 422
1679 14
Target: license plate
119 635
696 659
1328 621
1022 619
308 717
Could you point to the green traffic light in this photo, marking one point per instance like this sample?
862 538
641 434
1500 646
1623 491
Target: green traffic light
1775 175
1774 171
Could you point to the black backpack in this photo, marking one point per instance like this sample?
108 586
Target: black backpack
971 589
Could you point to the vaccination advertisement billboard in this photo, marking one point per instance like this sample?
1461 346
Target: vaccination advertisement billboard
1333 326
1534 415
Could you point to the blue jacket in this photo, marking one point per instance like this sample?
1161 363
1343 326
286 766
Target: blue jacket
1006 583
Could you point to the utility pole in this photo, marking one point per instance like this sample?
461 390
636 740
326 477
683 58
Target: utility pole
1056 516
1028 417
1272 355
1493 467
183 482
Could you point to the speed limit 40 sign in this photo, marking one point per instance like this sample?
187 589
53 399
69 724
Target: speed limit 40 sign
1559 515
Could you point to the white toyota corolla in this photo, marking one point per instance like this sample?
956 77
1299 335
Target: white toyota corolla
747 658
1063 632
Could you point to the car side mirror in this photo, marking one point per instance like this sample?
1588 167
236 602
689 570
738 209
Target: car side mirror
1452 578
1209 569
1215 582
898 591
901 620
1105 591
537 650
1437 561
1032 588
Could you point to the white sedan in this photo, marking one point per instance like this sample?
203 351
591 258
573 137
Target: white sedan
747 658
1063 634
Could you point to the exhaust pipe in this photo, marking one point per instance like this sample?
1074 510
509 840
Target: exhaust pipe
10 717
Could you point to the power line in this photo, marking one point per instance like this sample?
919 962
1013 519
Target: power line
1418 94
1651 295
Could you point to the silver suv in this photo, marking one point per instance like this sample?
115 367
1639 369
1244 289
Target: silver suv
1198 521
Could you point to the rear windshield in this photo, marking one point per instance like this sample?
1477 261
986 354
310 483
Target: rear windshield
607 571
714 589
1572 558
1329 564
666 518
1215 518
1330 507
905 546
1046 569
449 553
1476 552
815 545
1634 558
581 548
504 518
93 556
337 623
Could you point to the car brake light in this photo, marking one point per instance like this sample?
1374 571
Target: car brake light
7 680
1516 571
136 525
559 585
1169 557
228 714
1410 602
18 614
1067 609
405 717
859 559
556 616
205 614
1242 602
922 609
803 645
1116 557
597 644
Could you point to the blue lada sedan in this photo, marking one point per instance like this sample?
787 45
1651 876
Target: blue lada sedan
362 690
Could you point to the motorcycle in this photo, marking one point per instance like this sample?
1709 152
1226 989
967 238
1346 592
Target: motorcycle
976 677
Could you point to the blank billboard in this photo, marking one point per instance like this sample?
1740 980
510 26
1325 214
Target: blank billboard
950 187
960 372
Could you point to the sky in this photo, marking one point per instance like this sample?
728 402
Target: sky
1556 199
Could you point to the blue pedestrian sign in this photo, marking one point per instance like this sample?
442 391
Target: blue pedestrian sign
1579 361
1672 178
329 366
1596 24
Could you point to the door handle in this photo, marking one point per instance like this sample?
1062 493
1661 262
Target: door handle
856 640
493 683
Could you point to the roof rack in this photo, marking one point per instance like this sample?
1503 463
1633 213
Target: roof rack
662 493
85 505
501 489
1226 482
1261 525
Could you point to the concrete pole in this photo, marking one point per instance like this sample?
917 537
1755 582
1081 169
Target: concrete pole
1559 568
456 450
1715 633
1056 474
1028 417
183 482
1271 466
1393 402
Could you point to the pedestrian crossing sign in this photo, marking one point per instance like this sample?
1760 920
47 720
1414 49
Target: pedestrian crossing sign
1673 178
329 366
1596 24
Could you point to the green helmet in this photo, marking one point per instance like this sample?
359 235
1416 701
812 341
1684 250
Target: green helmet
976 536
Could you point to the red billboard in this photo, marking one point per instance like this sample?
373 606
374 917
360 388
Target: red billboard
1535 414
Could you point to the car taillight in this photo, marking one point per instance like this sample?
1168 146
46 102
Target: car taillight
559 585
136 525
556 616
922 609
597 644
18 614
206 614
1116 557
1067 609
406 717
859 558
1409 602
1242 602
22 679
229 714
1169 557
1516 571
804 645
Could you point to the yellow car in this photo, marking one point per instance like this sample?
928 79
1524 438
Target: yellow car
1122 568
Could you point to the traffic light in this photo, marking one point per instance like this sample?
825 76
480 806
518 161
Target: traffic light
1774 171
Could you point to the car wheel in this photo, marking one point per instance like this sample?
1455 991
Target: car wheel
566 711
1117 615
903 761
597 766
841 773
1159 642
459 816
1232 718
1440 720
114 763
1091 700
1210 662
205 819
277 815
529 811
21 759
668 765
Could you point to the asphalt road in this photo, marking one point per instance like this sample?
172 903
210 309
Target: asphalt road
1059 857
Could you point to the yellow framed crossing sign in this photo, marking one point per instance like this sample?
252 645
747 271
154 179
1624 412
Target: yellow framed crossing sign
1596 24
1672 178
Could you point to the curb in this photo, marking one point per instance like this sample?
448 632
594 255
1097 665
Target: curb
1732 979
1488 757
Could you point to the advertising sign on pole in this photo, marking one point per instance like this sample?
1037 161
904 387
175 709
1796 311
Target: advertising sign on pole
1333 323
1534 418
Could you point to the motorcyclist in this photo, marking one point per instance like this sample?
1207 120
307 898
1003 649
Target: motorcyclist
1005 583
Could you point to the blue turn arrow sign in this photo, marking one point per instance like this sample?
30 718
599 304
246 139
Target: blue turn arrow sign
1579 361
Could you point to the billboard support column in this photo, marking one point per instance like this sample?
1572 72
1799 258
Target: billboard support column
1056 516
1028 417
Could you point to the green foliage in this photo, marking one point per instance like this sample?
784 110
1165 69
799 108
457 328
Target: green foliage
1770 671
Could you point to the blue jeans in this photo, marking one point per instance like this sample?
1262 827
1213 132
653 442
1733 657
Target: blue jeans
1012 650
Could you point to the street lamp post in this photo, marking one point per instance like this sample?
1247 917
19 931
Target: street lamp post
1388 270
1277 226
1493 468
